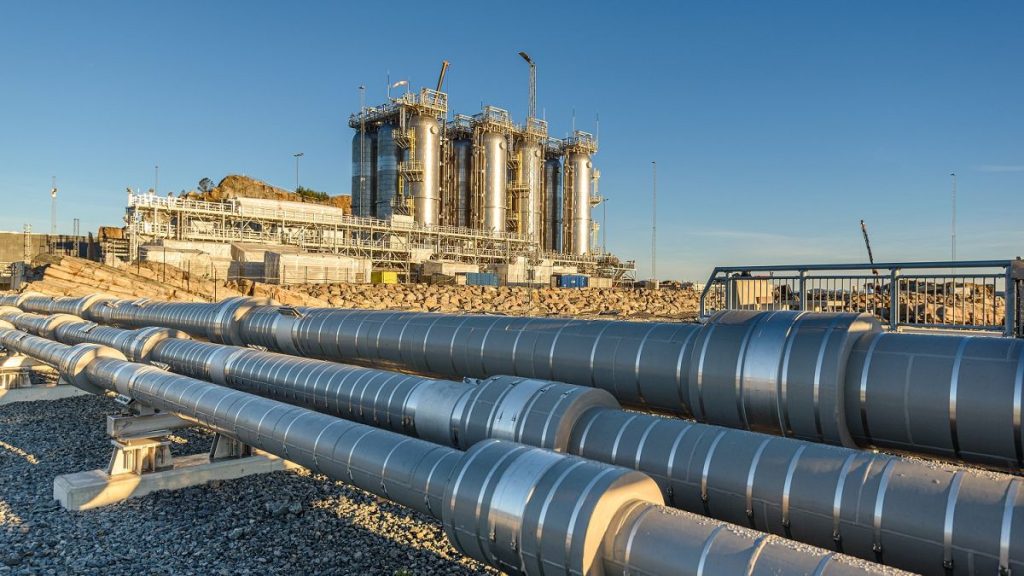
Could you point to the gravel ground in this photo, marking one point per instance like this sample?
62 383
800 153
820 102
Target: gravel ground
279 523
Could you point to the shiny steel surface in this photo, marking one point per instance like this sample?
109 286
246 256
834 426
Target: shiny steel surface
739 551
825 377
787 371
495 165
364 177
553 204
462 156
955 396
804 491
822 495
387 172
582 168
426 193
554 513
531 207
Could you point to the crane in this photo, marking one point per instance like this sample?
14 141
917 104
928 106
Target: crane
867 243
440 80
533 84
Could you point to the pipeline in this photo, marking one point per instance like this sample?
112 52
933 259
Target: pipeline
522 510
833 378
867 505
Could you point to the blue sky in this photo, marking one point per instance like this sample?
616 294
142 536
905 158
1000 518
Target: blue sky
776 126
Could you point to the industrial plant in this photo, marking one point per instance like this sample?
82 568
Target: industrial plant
432 193
446 356
482 172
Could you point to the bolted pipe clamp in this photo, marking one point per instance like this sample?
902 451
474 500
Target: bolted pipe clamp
548 513
224 327
74 363
140 343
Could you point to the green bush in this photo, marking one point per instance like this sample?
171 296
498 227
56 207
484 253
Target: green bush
311 194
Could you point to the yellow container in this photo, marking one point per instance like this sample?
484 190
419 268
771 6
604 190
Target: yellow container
384 277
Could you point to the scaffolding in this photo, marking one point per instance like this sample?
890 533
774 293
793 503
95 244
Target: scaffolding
395 244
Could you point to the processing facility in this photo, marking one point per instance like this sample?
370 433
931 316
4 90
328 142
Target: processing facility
482 172
433 195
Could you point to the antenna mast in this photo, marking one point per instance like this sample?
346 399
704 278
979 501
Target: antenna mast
53 206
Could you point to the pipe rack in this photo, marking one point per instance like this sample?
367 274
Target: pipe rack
833 378
868 505
555 514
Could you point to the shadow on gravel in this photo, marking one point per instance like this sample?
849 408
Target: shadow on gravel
280 523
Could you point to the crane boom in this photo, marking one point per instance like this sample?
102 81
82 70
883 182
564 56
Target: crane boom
440 79
867 243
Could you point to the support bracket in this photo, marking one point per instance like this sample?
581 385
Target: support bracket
139 456
152 425
224 448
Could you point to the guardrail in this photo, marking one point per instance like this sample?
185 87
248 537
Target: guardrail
983 295
311 216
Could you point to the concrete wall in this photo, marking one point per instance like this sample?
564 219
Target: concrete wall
12 246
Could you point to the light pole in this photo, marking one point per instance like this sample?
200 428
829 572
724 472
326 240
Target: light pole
364 199
297 155
395 85
953 224
654 224
53 206
533 85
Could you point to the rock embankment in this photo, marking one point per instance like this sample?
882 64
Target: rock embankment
69 276
76 277
679 303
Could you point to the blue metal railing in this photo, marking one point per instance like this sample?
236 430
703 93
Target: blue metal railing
983 295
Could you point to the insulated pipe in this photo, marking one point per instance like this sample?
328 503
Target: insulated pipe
956 396
822 377
821 495
520 509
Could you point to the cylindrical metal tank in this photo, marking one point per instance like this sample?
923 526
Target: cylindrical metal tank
494 170
364 160
426 193
532 164
462 153
553 204
582 168
387 172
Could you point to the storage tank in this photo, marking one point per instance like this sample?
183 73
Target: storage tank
387 171
494 169
364 161
532 162
553 204
582 167
426 193
462 155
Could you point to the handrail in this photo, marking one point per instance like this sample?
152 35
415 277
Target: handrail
973 295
